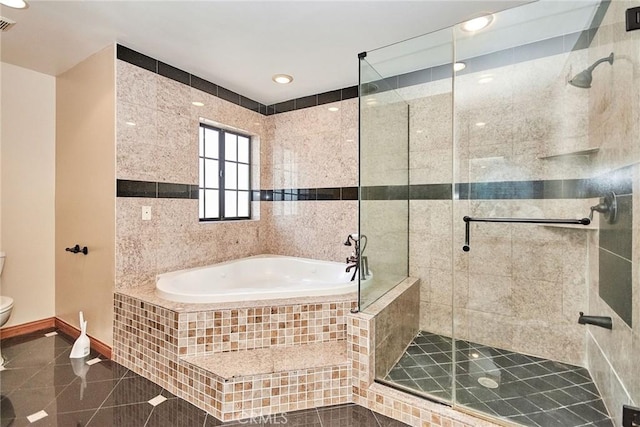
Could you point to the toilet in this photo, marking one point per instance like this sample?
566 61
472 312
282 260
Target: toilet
6 304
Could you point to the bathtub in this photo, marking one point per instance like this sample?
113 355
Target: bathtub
256 278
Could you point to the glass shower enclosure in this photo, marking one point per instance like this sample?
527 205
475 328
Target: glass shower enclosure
500 167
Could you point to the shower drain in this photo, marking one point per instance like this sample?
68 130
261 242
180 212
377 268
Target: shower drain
487 382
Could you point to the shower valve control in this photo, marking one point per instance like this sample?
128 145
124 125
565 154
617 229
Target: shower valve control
146 213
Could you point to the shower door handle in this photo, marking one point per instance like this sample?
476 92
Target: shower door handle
468 219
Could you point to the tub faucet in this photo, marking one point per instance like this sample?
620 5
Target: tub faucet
355 270
353 262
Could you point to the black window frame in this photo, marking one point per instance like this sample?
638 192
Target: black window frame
221 173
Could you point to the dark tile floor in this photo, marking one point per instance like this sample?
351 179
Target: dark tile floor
39 376
524 389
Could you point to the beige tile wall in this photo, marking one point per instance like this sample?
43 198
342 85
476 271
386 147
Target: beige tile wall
309 229
316 147
308 148
384 161
614 123
517 288
163 146
384 222
312 148
396 326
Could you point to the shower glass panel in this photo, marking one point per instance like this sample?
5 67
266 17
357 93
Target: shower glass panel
384 176
539 122
421 70
524 150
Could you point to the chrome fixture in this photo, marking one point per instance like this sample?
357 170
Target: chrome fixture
608 208
583 79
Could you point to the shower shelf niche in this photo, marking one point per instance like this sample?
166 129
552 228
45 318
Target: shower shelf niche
583 152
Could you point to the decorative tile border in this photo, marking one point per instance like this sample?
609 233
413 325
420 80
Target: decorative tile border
155 190
556 45
619 181
166 70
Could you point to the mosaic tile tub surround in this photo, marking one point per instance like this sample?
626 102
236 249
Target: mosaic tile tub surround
184 352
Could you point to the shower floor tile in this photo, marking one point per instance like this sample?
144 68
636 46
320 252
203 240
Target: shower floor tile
524 389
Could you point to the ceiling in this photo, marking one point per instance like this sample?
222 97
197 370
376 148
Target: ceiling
236 44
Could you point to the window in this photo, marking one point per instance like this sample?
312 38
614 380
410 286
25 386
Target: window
225 174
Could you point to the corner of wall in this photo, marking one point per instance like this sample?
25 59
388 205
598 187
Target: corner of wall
85 193
27 170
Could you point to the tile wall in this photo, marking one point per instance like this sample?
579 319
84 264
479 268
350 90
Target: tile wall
614 120
311 151
526 281
396 325
313 147
261 327
162 146
383 215
174 349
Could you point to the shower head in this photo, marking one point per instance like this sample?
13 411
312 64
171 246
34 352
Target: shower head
583 79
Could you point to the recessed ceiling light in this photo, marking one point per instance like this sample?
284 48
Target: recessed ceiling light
459 66
283 79
419 131
476 24
130 123
16 4
350 140
198 103
333 108
481 124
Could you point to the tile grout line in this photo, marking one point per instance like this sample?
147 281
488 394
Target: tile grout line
107 397
151 413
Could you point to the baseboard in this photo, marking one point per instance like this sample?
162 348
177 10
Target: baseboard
50 323
74 332
28 328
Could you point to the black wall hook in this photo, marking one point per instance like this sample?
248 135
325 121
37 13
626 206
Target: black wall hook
77 249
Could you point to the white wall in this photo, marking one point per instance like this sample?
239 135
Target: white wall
27 183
